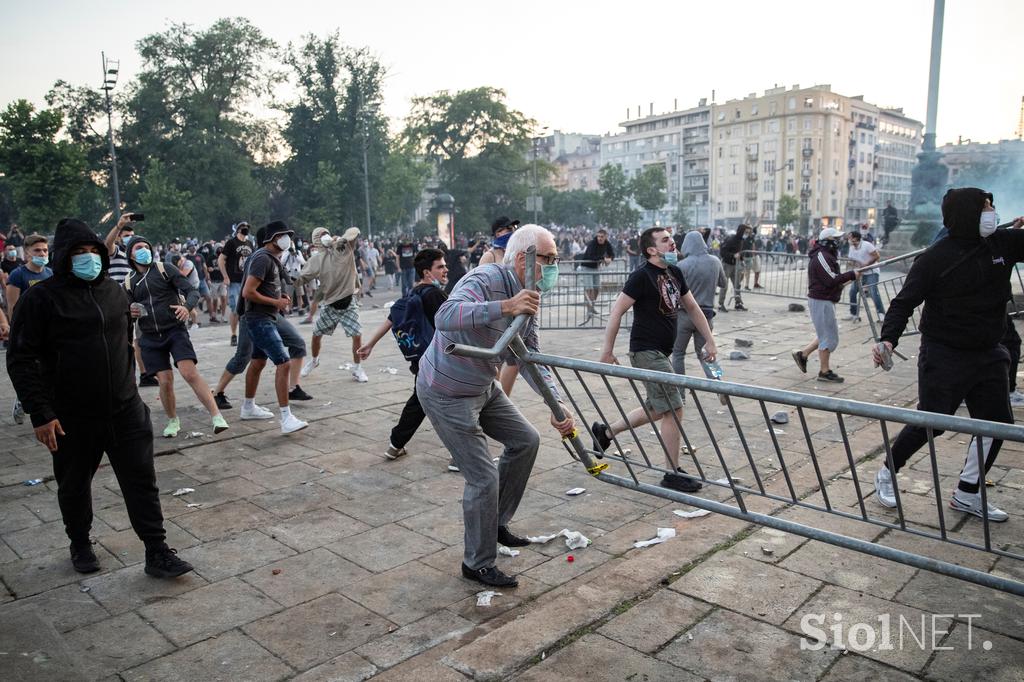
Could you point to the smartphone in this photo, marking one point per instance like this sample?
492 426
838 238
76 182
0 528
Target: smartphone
137 217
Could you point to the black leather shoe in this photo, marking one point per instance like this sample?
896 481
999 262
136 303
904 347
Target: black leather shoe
163 562
298 394
222 401
491 577
505 537
602 439
681 481
83 558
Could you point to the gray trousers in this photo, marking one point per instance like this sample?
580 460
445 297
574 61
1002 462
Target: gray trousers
492 493
685 330
733 273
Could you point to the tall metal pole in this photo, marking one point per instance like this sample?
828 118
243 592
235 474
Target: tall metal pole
928 144
107 86
366 169
535 188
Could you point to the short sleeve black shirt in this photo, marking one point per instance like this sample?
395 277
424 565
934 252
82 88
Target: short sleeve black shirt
658 293
265 267
236 253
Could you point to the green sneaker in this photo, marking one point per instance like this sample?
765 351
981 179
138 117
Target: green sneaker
219 424
172 428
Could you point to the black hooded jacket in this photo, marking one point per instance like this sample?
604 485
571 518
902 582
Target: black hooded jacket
71 356
158 292
963 280
732 245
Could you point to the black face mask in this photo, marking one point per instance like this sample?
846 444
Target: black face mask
243 233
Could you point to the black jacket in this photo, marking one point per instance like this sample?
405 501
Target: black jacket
158 292
963 280
731 246
71 356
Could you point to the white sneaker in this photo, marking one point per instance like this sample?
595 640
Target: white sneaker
394 453
884 493
970 503
18 412
452 466
255 412
309 366
291 424
1017 399
360 376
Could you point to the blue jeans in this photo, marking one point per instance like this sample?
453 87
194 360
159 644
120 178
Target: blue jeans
234 291
866 280
243 352
266 340
408 278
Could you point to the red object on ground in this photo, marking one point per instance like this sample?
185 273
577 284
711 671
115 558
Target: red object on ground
569 558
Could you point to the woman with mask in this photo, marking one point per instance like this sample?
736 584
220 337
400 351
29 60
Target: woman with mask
824 289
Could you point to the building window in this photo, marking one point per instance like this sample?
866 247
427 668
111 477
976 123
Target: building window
791 103
807 122
773 126
789 184
808 102
791 125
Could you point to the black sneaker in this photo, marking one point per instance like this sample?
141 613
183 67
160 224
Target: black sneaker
507 538
602 439
222 401
298 394
801 360
830 376
740 307
83 558
489 576
163 562
681 481
234 339
148 380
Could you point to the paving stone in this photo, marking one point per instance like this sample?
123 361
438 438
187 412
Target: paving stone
411 591
978 655
728 646
1000 612
410 640
383 509
284 475
220 559
345 668
854 667
6 553
594 657
559 569
296 499
46 537
383 548
228 657
854 608
315 528
65 608
305 576
504 601
223 490
130 588
750 587
363 483
33 650
15 516
214 467
448 560
443 524
26 577
208 611
117 643
650 624
127 547
213 523
317 631
849 569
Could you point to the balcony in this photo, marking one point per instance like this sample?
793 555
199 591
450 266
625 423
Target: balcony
805 173
751 156
807 152
751 196
804 193
865 126
752 176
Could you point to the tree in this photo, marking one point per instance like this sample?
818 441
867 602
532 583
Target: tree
684 212
571 208
648 188
41 176
614 210
167 208
479 146
788 212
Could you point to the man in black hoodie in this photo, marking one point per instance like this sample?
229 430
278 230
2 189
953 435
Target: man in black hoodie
732 263
964 283
71 362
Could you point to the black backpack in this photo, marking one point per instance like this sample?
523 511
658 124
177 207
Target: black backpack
411 327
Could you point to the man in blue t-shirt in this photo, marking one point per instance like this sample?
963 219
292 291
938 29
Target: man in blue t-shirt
657 293
34 271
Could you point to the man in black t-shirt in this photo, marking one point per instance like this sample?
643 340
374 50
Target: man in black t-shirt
231 264
599 252
432 276
656 292
406 253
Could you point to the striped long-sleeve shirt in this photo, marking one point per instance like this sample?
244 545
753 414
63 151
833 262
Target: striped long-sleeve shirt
472 316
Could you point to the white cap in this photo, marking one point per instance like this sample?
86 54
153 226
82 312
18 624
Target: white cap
829 233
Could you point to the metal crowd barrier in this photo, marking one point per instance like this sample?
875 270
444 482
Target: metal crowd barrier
783 275
824 462
583 297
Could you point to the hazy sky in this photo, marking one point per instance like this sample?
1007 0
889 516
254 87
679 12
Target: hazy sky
577 66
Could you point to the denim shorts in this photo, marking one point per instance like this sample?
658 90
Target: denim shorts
234 291
266 339
243 352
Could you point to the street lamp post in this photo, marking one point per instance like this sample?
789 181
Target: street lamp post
363 115
110 69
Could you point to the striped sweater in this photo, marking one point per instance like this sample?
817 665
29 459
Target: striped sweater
472 316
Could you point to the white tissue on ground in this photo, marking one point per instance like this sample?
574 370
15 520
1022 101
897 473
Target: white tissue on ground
484 598
696 514
573 539
507 551
663 535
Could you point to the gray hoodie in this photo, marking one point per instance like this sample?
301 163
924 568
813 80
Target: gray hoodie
702 271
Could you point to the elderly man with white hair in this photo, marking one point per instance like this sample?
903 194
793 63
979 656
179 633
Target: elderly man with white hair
465 404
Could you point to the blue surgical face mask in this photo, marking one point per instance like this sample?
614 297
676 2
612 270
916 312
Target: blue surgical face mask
143 256
670 257
548 277
39 261
437 283
501 242
87 266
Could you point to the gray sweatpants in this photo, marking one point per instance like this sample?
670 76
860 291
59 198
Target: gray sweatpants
492 493
686 330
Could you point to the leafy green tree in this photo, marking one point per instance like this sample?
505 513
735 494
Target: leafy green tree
42 176
648 188
479 146
788 212
167 208
684 212
614 209
571 208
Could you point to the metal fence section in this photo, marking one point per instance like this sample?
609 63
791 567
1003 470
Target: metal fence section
823 461
783 275
583 297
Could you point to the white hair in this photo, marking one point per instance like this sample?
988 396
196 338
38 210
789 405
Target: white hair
521 240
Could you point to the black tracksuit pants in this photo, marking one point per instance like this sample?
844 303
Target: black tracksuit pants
1011 339
409 422
945 377
127 439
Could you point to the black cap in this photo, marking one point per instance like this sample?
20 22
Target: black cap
503 223
272 230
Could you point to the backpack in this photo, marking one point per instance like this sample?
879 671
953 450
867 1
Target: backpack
163 273
410 326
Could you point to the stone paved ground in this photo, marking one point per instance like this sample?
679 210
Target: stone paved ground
318 559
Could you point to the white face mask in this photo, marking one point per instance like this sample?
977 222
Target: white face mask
989 220
326 240
284 242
